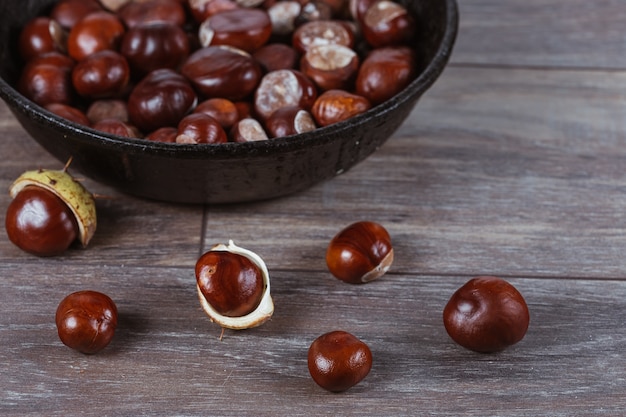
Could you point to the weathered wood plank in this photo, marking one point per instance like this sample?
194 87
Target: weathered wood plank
513 164
533 185
541 33
166 358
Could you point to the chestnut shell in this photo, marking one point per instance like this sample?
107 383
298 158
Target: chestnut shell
248 171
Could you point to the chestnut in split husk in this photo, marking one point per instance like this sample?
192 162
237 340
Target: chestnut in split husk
49 211
233 286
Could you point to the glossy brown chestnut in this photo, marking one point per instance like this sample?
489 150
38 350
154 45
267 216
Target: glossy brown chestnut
148 12
387 23
385 72
68 112
86 321
243 28
358 8
102 74
289 120
40 223
486 315
231 283
39 36
234 286
221 109
330 66
47 79
203 9
163 134
155 46
338 360
360 253
221 71
161 99
333 106
69 12
200 128
275 56
49 210
95 32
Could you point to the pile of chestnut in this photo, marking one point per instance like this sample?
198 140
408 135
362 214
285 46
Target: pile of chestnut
215 71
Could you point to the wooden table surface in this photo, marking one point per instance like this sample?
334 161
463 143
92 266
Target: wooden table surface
513 164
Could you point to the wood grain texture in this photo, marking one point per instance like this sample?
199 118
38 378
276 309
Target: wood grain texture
511 165
542 33
171 361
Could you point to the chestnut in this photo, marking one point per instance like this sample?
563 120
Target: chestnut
155 46
49 211
337 8
315 11
100 75
243 28
330 66
148 12
234 287
47 79
288 121
333 106
68 112
200 128
86 321
360 253
95 32
203 9
68 12
116 127
222 71
41 35
387 23
338 360
107 109
487 314
161 99
163 134
358 8
275 56
221 109
283 88
283 15
322 32
385 72
248 130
